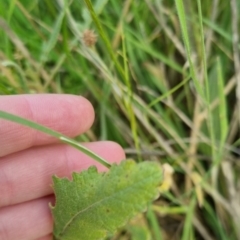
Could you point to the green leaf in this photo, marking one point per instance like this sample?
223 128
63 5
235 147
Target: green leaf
47 47
98 6
65 139
93 203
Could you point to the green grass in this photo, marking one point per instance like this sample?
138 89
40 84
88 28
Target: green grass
170 72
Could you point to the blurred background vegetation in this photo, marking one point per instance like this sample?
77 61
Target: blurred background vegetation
164 79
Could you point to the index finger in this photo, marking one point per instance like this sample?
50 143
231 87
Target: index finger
71 115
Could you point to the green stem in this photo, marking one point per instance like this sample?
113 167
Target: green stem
61 137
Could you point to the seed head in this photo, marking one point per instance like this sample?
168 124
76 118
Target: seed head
89 38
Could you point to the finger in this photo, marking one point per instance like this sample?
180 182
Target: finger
48 237
68 114
26 221
28 174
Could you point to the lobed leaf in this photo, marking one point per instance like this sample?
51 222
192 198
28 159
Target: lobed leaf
93 203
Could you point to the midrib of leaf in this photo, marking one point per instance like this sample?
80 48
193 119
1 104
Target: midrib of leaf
125 190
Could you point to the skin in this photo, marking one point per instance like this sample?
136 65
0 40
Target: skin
29 158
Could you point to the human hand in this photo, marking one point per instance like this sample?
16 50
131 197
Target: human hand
29 158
